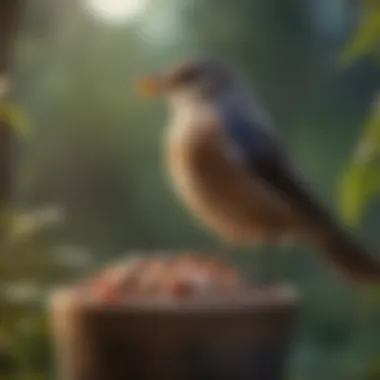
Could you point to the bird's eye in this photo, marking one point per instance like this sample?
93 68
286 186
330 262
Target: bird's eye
188 75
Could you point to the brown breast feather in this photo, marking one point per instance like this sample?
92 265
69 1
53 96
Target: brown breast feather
221 192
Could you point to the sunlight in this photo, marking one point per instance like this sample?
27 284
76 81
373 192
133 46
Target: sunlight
115 11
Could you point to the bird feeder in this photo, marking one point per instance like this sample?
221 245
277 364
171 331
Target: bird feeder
247 337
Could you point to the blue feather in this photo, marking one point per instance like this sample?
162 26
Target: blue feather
249 138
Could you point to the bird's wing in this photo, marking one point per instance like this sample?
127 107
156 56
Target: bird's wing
265 158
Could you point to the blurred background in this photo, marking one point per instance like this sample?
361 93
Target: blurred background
85 152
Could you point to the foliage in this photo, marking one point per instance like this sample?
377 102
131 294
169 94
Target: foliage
367 37
360 182
12 115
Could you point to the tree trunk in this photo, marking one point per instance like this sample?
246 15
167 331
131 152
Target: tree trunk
9 20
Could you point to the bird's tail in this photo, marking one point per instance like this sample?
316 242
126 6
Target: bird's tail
351 259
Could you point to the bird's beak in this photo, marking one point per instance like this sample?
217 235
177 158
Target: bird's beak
151 86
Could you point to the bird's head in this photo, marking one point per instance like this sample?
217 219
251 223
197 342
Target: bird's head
189 81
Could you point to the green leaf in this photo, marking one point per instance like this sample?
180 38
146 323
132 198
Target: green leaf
371 134
12 115
359 185
360 181
353 192
367 35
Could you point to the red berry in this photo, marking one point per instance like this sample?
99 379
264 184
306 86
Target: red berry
181 289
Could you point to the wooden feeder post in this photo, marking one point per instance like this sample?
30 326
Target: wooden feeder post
247 340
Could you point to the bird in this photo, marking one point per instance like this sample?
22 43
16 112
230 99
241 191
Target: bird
229 165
